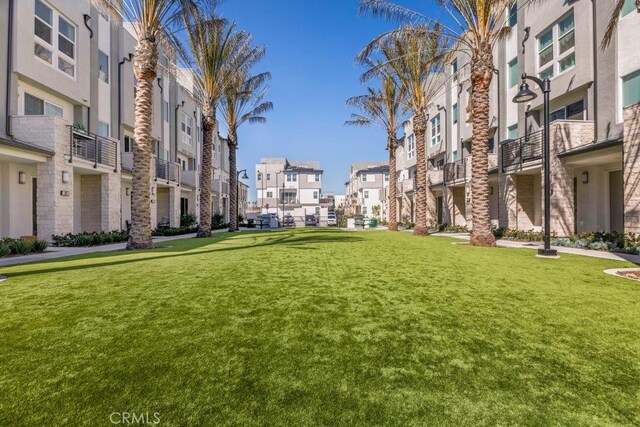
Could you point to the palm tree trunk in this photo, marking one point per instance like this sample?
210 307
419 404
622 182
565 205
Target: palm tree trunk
146 61
233 185
481 75
208 126
419 129
393 184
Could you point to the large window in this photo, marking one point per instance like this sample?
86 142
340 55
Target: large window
631 89
411 146
103 129
34 106
556 48
363 177
292 177
573 111
512 131
454 70
454 113
103 66
187 123
514 76
165 111
315 195
55 39
436 137
513 14
628 7
366 194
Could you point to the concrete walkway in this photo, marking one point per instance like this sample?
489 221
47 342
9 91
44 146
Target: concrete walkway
616 256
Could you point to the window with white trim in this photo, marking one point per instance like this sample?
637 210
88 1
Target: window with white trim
292 177
165 111
269 194
454 70
573 111
364 210
513 14
386 177
187 123
631 89
628 6
411 146
454 113
55 39
366 194
34 106
556 48
103 129
128 144
436 136
514 76
512 131
363 177
103 66
315 195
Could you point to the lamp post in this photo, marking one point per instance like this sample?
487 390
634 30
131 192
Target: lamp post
238 194
525 95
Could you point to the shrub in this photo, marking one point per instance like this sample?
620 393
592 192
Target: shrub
20 247
90 239
174 231
5 250
217 221
188 220
39 246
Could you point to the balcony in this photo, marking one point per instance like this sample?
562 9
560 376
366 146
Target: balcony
93 148
189 178
455 171
517 152
407 186
165 170
435 174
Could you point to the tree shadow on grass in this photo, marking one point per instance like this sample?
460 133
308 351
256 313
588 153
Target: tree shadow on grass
295 239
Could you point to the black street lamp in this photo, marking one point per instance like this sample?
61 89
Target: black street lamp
238 194
525 95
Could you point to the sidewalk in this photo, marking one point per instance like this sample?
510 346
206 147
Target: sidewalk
616 256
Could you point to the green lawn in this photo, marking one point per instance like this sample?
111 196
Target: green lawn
326 327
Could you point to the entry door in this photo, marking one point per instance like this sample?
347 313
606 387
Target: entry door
616 201
439 209
184 206
34 206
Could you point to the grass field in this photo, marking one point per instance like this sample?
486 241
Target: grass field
312 327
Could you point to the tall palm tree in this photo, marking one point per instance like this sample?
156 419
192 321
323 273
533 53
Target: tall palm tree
243 103
480 25
383 107
414 55
217 55
153 22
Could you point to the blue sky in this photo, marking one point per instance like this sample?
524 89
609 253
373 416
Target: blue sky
311 45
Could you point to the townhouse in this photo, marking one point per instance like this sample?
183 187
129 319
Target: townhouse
594 119
66 129
287 187
367 189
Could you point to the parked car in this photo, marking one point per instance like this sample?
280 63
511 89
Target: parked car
289 221
331 219
310 221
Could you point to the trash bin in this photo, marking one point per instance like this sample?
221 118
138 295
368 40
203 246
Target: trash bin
373 223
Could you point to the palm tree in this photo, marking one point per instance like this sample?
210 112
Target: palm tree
481 24
414 55
243 103
217 53
384 108
153 22
613 21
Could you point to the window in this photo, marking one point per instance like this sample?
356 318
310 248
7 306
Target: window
454 113
631 89
317 177
269 194
366 194
268 176
103 66
259 176
34 106
435 130
363 177
557 46
514 76
573 111
103 129
364 210
187 122
315 195
165 111
55 39
411 146
164 61
628 7
512 131
513 14
292 177
491 145
454 70
128 144
386 177
454 155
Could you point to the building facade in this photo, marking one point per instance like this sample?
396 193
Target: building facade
367 189
594 119
287 187
67 122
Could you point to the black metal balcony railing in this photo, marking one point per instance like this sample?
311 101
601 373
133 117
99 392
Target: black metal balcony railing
521 150
455 171
94 148
167 171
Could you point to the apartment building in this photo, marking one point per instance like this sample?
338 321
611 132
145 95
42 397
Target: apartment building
66 130
287 187
367 189
594 119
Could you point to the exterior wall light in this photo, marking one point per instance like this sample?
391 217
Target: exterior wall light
22 178
585 177
65 177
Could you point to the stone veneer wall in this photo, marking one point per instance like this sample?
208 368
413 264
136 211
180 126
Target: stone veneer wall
631 170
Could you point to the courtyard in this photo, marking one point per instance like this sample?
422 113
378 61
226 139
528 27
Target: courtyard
303 327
